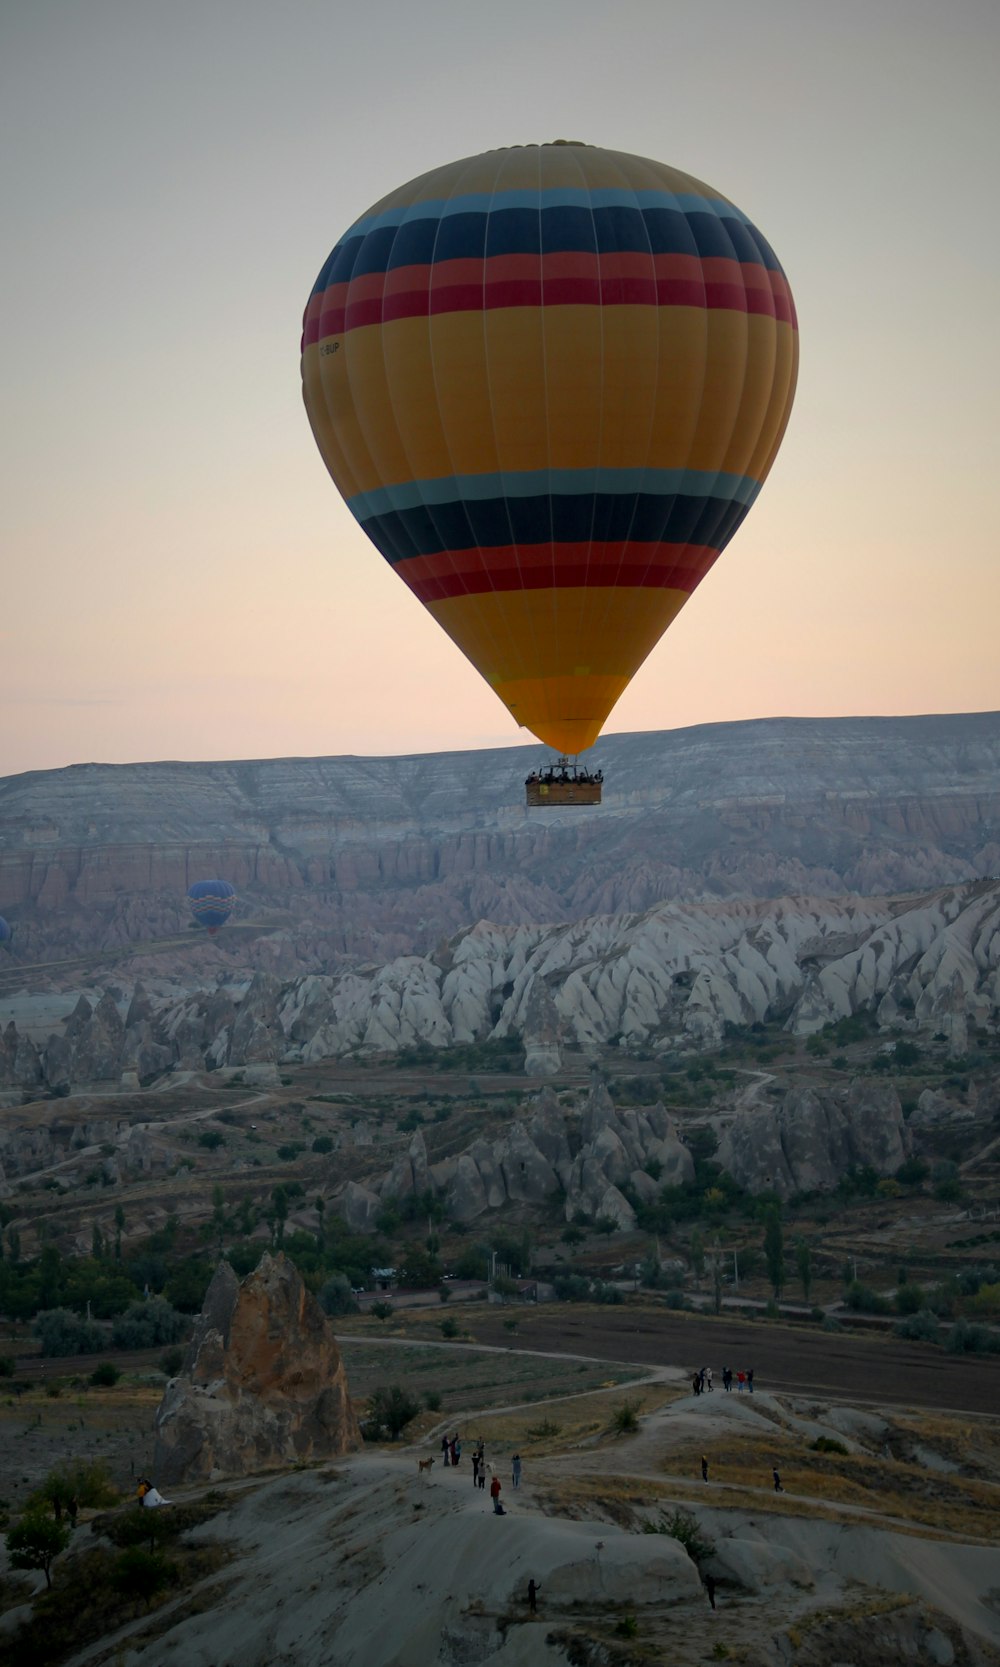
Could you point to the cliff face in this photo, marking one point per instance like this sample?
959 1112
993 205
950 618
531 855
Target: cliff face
355 858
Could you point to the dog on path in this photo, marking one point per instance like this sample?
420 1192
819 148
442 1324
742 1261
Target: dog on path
424 1464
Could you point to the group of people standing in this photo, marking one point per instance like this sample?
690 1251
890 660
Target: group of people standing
702 1384
451 1454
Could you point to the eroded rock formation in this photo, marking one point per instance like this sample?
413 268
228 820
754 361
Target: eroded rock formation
262 1385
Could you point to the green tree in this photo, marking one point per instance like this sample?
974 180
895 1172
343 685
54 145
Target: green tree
320 1208
774 1250
35 1542
279 1208
803 1261
141 1574
336 1296
382 1310
390 1411
697 1253
148 1325
119 1230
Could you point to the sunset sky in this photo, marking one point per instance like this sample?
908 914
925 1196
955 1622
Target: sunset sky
180 579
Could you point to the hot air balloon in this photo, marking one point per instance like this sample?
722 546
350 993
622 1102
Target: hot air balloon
550 382
212 902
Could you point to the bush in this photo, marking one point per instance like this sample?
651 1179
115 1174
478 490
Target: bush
336 1296
389 1412
62 1332
382 1310
449 1327
105 1376
683 1527
86 1481
322 1144
171 1362
148 1325
864 1300
827 1444
141 1574
211 1139
625 1418
910 1299
8 1366
964 1338
922 1327
432 1401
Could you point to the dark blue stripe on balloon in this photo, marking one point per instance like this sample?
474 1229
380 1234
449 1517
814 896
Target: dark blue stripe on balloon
519 231
562 519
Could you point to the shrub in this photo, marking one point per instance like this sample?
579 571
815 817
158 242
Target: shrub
141 1574
63 1332
86 1481
148 1325
211 1139
336 1296
105 1376
389 1412
830 1323
625 1418
683 1527
322 1144
8 1366
171 1362
449 1327
910 1299
864 1300
827 1444
382 1310
432 1401
964 1338
922 1327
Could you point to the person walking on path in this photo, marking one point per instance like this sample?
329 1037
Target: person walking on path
445 1445
741 1379
750 1379
704 1468
708 1378
495 1496
777 1481
515 1466
533 1591
727 1380
475 1467
710 1589
696 1383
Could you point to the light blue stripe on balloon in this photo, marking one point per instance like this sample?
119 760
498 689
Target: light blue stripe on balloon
537 483
486 202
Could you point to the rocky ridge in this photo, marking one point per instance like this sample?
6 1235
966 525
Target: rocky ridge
675 976
352 858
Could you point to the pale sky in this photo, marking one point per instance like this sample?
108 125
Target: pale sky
180 578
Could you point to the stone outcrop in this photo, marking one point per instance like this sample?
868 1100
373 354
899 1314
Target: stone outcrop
262 1385
581 1160
809 1141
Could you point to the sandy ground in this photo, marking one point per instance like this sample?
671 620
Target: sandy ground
370 1562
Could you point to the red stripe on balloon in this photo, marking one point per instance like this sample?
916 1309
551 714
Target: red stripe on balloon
554 280
556 567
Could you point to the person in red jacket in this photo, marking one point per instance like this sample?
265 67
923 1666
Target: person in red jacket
495 1496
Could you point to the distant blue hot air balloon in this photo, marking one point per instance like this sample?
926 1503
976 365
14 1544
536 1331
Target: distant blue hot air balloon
212 902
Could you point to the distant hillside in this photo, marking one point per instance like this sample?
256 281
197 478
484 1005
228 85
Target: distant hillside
373 857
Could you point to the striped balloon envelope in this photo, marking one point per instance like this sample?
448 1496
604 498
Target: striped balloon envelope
212 902
550 382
